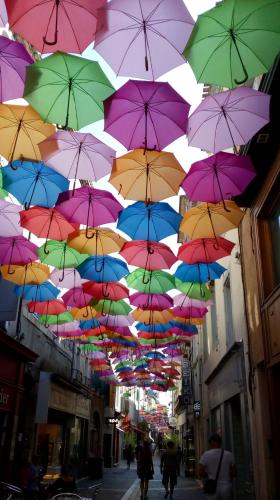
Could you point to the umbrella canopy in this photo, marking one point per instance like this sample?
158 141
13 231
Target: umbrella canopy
228 119
189 312
112 291
53 306
21 130
33 273
193 290
147 115
45 291
234 42
3 13
71 278
89 323
89 206
17 250
150 281
9 219
116 321
152 221
205 250
118 307
183 300
148 254
77 156
46 223
67 25
154 301
200 273
13 61
143 39
97 241
76 297
67 89
208 220
33 183
218 177
55 319
147 175
60 255
152 317
3 192
103 269
65 327
82 313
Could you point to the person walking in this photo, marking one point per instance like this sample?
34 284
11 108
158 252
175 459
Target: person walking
169 467
217 469
145 468
128 455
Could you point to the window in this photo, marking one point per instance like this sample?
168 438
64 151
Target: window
214 324
228 312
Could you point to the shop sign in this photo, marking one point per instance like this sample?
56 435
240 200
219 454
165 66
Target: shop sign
69 402
6 398
111 420
196 408
186 382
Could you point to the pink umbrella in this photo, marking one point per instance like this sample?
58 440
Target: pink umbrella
65 327
147 115
76 297
71 278
13 61
183 300
9 219
154 301
77 156
70 334
205 250
143 38
218 177
17 250
228 119
189 312
120 320
89 206
148 255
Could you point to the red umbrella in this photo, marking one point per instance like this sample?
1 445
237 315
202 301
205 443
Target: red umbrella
47 307
205 250
67 25
46 223
110 290
76 297
148 255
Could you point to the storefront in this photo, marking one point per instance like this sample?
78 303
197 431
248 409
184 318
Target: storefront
13 359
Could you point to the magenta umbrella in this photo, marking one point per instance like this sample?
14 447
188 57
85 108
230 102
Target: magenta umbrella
16 250
218 177
71 278
153 301
77 156
228 119
13 61
89 206
76 297
143 38
147 115
189 312
9 218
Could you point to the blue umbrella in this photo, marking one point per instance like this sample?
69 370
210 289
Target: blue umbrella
184 327
154 355
45 291
89 323
33 183
103 269
152 221
142 327
200 273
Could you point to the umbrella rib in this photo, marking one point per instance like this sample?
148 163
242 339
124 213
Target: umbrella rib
136 35
70 23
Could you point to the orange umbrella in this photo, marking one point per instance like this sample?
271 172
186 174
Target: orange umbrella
188 321
21 129
150 175
87 312
152 317
208 220
33 273
96 241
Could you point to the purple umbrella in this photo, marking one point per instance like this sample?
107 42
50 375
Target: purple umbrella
116 321
183 300
65 327
89 206
13 61
16 250
71 278
145 38
153 301
9 218
3 13
218 177
228 119
147 115
77 156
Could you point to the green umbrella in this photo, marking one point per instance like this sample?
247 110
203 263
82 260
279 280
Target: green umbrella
55 319
67 90
235 41
3 193
150 281
60 255
193 290
114 307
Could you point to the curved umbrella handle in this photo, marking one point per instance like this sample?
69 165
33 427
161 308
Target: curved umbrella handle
202 292
145 281
63 274
46 252
54 41
96 268
9 270
88 235
86 315
105 292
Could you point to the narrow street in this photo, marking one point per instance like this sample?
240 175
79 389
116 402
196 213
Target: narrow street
119 483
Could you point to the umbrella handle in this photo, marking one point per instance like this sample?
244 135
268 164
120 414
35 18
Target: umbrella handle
54 41
62 277
246 76
9 270
96 268
33 310
145 281
86 315
88 235
105 292
46 252
202 292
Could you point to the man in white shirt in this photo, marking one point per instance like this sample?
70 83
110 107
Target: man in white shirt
208 466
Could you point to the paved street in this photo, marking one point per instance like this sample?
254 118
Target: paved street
119 483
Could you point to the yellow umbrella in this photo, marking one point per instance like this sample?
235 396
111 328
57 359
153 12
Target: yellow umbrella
147 176
188 321
208 220
152 317
21 130
33 273
83 313
96 241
